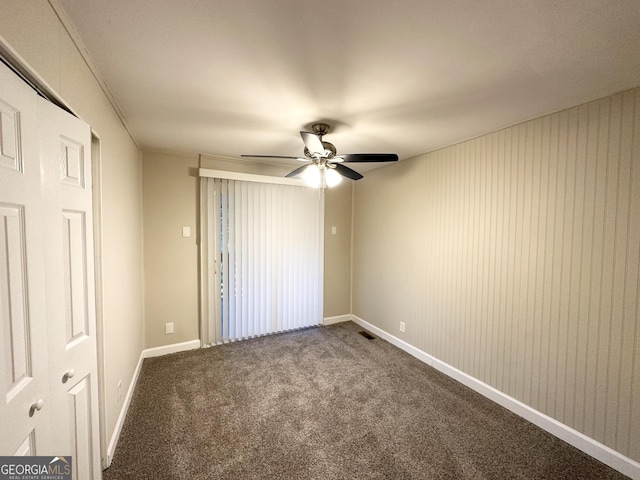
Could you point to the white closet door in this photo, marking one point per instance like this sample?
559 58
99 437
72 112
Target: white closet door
23 366
47 293
65 156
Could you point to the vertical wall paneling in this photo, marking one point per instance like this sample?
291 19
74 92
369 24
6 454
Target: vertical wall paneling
599 153
634 424
535 252
516 259
573 325
631 235
605 330
502 273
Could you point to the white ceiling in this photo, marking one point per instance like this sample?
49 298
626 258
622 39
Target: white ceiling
227 77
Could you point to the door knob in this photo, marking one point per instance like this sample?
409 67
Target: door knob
68 374
36 406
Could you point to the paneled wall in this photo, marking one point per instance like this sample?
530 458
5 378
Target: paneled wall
514 257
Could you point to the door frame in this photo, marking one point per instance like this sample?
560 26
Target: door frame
96 172
20 66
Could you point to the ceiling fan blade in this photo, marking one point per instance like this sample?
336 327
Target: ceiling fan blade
297 171
369 157
347 172
270 156
313 143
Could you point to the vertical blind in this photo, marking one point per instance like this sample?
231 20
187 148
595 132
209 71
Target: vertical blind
262 257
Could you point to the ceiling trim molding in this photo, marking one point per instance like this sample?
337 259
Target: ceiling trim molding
84 53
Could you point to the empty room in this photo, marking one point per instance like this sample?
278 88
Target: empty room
320 240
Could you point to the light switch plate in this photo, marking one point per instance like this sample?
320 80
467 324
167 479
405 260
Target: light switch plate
334 230
186 232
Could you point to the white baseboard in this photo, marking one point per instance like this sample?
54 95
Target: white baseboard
337 319
173 348
148 353
579 440
123 412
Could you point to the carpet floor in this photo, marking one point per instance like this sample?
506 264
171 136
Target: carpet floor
326 403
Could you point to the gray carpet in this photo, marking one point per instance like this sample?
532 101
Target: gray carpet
326 403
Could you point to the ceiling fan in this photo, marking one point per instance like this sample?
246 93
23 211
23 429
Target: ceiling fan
326 167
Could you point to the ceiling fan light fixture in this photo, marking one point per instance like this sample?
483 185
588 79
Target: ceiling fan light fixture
312 176
331 177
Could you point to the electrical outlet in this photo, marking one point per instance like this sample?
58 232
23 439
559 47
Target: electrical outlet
119 391
168 328
402 327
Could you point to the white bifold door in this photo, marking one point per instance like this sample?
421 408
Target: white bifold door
49 402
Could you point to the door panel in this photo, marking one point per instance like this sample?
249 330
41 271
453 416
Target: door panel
23 361
27 447
75 276
72 162
17 350
65 155
79 399
10 151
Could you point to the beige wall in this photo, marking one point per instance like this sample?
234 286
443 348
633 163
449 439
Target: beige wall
33 30
515 258
337 250
171 261
170 189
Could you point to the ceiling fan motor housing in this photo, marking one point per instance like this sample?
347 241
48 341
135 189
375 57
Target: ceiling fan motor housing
320 129
329 147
